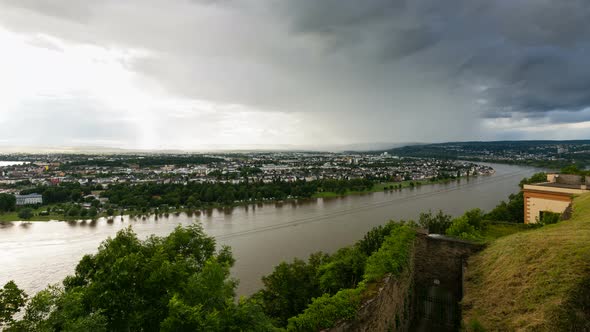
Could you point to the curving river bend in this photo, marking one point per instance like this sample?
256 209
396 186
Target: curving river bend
261 236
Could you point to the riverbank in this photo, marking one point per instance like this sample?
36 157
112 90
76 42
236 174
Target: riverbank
389 186
39 216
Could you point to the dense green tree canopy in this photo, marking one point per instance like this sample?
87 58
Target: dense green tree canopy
7 202
25 213
174 283
12 299
199 195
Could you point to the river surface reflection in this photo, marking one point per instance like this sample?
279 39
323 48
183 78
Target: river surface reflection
261 236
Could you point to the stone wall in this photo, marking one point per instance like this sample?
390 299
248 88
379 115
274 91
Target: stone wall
436 260
390 309
439 261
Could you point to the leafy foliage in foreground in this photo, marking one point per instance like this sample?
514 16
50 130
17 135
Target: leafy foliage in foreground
11 300
178 282
391 258
292 286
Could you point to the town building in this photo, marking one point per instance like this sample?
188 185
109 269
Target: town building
29 199
555 195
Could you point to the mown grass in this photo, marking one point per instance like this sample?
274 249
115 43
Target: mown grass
536 280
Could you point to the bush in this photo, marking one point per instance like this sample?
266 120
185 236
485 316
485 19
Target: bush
345 270
373 240
548 218
291 287
393 256
462 229
435 224
325 311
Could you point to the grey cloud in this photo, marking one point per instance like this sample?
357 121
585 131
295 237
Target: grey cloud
59 121
77 11
423 62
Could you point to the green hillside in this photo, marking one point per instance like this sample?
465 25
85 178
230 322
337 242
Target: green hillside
536 280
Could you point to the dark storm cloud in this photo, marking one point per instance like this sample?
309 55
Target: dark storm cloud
430 63
535 80
531 56
378 24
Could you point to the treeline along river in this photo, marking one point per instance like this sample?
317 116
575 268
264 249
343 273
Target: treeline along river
261 236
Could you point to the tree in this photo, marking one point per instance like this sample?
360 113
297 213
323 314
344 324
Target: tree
7 202
12 299
461 228
468 226
74 211
291 287
474 218
174 283
26 213
92 212
345 270
435 224
513 210
373 239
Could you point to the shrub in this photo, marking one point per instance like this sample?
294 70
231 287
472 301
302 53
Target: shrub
291 287
393 256
373 240
548 218
325 311
345 270
462 229
435 224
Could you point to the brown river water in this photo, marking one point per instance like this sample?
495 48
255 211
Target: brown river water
37 254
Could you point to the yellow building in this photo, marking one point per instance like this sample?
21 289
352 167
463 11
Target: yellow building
555 195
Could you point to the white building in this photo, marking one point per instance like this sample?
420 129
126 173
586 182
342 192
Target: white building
29 199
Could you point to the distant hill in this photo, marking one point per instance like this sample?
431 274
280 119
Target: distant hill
536 280
418 148
210 148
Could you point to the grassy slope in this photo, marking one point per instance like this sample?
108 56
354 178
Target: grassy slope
537 280
495 230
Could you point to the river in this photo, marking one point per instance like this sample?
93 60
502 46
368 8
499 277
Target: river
261 236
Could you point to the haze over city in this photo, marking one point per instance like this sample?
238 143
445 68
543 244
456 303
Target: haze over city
291 74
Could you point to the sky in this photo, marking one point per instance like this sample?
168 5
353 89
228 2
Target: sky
211 74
